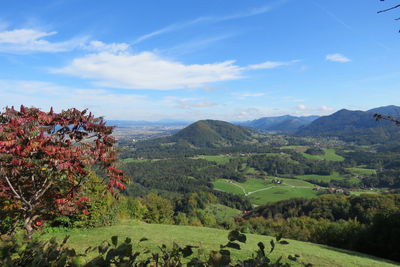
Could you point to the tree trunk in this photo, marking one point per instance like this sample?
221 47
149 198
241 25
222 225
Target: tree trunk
28 225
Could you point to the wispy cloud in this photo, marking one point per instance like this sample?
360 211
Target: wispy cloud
271 64
337 58
195 45
31 40
208 19
189 103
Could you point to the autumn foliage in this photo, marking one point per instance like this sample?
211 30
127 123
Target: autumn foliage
45 158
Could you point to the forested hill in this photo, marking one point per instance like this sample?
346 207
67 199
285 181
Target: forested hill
214 133
357 126
284 124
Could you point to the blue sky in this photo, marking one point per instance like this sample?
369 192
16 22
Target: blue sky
198 59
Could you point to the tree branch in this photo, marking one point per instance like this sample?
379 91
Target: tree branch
388 9
39 193
12 188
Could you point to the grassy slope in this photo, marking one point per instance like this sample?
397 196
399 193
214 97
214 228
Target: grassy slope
223 185
210 239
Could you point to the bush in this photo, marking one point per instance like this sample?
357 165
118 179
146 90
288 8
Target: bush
315 151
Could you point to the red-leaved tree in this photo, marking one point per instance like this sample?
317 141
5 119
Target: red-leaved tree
45 158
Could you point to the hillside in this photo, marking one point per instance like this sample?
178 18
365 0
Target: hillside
358 126
210 239
286 124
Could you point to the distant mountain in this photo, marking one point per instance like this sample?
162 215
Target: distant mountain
286 124
358 126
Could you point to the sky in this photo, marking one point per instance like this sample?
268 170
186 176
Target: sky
199 59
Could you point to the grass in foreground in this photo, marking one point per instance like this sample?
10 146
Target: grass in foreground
210 239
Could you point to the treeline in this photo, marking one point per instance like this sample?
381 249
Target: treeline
152 149
332 207
367 223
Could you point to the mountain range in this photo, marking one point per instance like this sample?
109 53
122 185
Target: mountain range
355 125
285 124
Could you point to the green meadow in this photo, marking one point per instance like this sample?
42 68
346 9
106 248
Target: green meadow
327 178
330 155
281 193
361 171
260 191
220 159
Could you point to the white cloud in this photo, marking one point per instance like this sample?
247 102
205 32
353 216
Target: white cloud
244 95
247 114
302 107
147 70
271 64
30 40
326 108
304 110
337 58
